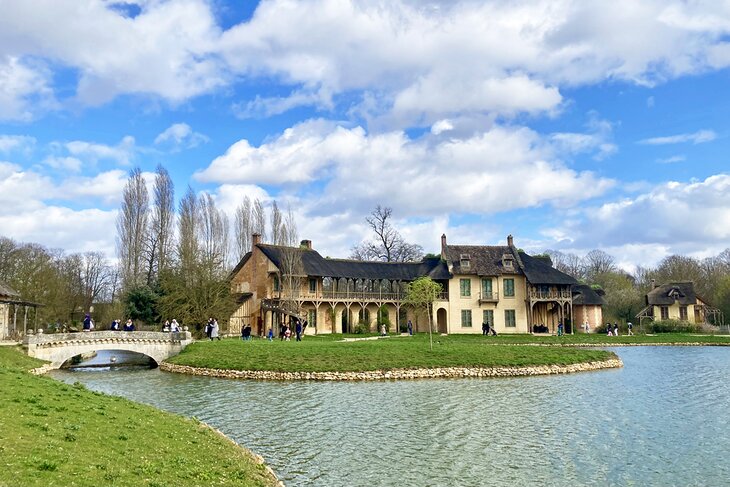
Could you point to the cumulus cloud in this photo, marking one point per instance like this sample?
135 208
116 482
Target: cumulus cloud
180 136
25 89
16 142
122 153
683 217
699 137
501 169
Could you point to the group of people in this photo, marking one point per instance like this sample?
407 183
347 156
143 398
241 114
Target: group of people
173 327
212 329
285 332
488 330
88 325
612 330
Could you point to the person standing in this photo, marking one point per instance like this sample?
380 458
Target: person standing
298 329
287 333
560 328
383 330
410 328
485 328
271 334
615 329
87 322
630 327
608 329
209 327
214 330
586 326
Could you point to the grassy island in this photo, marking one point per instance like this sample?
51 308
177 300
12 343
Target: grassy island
329 354
601 340
54 434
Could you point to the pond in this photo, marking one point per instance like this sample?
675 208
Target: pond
661 420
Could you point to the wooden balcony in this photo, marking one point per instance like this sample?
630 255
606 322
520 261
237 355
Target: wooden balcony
349 296
549 295
488 297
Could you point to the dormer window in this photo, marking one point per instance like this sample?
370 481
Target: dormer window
465 261
507 261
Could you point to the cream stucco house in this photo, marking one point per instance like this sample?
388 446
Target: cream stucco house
501 285
676 301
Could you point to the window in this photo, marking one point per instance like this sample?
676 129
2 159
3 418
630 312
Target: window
489 317
464 262
312 285
486 288
312 318
277 285
466 318
683 313
509 288
509 318
665 312
465 285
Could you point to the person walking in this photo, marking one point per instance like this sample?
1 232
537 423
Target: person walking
615 329
383 330
630 327
485 328
287 333
410 328
586 326
608 329
209 327
298 329
271 334
87 322
560 328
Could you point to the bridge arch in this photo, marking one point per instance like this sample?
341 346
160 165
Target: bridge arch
58 348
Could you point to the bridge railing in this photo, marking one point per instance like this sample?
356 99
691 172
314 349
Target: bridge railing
44 338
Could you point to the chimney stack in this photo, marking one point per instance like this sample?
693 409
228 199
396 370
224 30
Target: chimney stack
443 246
255 239
653 283
306 244
510 241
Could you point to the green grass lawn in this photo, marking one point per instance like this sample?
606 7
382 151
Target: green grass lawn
54 434
325 354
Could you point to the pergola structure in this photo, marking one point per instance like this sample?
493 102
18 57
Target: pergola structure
10 303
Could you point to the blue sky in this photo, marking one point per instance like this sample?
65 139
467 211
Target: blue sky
572 125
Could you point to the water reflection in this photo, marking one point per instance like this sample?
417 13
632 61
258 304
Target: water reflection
661 420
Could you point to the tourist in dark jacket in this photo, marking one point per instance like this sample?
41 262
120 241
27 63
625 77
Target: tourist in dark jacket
299 331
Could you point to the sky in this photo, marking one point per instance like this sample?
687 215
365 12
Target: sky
571 125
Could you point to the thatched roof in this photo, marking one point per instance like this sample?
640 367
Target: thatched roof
668 294
586 295
8 292
539 271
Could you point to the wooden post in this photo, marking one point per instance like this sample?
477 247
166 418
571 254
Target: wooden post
15 318
25 321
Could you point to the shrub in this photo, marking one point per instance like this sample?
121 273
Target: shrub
362 328
673 326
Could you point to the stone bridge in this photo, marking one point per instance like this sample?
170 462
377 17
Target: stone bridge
57 348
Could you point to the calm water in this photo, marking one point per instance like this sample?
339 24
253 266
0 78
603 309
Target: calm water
661 420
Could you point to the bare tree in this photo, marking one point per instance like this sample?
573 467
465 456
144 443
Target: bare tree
160 239
132 229
291 271
258 219
388 244
96 277
276 223
243 228
568 263
187 245
213 236
598 262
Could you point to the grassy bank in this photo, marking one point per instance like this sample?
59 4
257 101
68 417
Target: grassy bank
54 434
327 355
601 340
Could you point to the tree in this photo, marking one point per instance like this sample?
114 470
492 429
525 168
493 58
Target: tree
388 244
421 294
243 228
187 245
132 229
161 231
291 269
258 218
276 224
568 263
598 262
212 229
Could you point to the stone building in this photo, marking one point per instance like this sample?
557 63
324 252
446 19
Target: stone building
501 285
587 306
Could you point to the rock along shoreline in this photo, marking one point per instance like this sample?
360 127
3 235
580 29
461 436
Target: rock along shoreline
397 374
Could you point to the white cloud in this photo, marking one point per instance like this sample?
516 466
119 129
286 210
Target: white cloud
123 153
24 89
688 218
180 136
498 170
699 137
672 159
16 142
105 186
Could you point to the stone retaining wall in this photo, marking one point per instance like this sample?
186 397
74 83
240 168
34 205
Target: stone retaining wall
437 372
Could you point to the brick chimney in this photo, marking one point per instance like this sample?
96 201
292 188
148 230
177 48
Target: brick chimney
255 239
510 241
306 244
653 284
443 246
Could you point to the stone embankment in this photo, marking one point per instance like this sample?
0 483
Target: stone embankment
396 374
